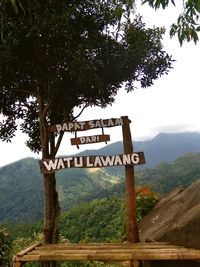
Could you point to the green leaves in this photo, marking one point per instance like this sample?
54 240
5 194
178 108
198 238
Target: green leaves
96 221
185 31
63 53
5 247
104 219
145 199
14 4
167 176
187 26
158 3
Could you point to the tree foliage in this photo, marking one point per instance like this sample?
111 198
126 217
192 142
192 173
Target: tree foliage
145 199
187 26
166 176
104 219
5 247
58 55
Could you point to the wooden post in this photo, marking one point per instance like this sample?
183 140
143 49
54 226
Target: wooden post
18 264
130 196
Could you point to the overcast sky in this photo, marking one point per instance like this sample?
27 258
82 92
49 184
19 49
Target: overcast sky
172 104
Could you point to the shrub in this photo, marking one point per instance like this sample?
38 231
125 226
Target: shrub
5 247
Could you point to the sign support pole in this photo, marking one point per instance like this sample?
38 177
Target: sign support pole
130 195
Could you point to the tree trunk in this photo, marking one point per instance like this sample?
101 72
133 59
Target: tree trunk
51 209
51 203
51 213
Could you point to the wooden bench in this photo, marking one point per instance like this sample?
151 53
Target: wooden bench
105 252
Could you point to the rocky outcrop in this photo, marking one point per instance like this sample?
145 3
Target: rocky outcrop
175 219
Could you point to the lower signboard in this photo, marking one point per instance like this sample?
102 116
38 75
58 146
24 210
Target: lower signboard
52 165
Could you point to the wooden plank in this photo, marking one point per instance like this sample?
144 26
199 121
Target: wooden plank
99 245
110 251
102 257
25 251
52 165
74 126
114 251
113 257
106 252
90 139
110 248
103 246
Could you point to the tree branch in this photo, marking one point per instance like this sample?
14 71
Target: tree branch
57 144
84 107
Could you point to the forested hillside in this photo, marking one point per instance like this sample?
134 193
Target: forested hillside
167 176
95 221
104 219
21 184
21 187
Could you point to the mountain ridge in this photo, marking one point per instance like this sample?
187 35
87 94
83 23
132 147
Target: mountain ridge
191 140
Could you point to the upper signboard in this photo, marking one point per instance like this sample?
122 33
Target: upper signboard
74 126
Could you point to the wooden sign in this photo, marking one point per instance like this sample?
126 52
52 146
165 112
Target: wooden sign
90 139
74 126
52 165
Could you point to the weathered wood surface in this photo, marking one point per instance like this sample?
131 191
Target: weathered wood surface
130 194
90 139
29 249
106 252
74 126
52 165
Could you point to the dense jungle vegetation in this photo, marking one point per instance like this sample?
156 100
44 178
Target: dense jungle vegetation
100 220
